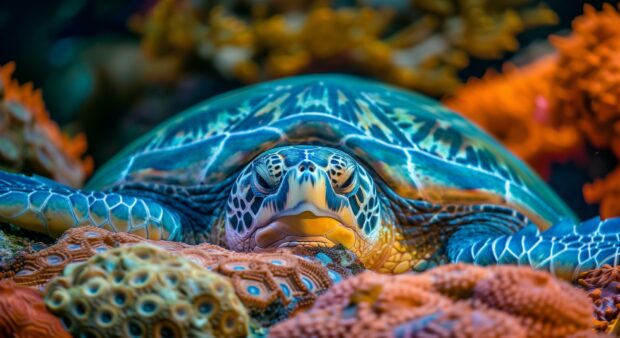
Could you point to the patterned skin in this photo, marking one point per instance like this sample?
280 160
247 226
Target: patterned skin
259 167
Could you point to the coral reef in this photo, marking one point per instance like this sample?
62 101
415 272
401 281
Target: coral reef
23 314
145 290
271 285
515 108
603 287
31 142
420 46
449 301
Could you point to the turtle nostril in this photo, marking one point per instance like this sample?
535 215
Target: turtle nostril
306 166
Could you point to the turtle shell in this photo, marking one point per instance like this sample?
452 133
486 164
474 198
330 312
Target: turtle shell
416 146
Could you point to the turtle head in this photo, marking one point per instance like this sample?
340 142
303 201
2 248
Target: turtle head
304 196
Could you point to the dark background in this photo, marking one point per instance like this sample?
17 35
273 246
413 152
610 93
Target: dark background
48 40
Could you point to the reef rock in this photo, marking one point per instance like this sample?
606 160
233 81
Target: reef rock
23 314
144 290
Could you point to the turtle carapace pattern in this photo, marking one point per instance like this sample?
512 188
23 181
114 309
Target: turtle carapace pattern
325 160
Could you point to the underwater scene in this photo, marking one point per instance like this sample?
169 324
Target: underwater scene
310 168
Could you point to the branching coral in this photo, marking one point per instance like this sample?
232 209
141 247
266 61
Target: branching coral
420 46
449 301
144 290
515 107
271 285
30 141
23 314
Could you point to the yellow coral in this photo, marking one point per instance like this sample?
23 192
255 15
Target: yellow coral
282 39
143 290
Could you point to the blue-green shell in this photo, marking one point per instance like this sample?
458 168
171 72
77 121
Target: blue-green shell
415 145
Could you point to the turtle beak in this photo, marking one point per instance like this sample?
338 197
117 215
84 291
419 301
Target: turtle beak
312 215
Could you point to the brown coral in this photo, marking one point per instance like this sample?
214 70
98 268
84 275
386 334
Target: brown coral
257 41
143 290
603 287
30 141
23 314
515 107
449 301
277 281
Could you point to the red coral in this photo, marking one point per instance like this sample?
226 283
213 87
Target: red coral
30 139
449 301
23 314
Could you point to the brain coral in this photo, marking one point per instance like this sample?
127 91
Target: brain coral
449 301
271 284
23 314
143 290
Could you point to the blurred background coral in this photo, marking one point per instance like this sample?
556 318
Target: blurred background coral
541 76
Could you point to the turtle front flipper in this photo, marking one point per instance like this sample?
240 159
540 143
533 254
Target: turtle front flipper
566 249
41 205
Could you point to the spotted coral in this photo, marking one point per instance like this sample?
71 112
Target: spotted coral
23 314
515 107
261 40
448 301
272 285
31 141
145 290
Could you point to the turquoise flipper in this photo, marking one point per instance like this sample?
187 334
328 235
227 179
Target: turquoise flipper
44 206
566 249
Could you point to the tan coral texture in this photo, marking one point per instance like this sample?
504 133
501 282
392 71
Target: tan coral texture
143 290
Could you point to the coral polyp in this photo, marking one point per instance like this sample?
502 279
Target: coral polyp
145 290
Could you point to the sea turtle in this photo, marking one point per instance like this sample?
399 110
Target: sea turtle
325 160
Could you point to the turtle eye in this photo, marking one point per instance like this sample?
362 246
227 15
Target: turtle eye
342 174
268 172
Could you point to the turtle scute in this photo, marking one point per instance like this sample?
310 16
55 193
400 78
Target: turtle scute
145 291
449 301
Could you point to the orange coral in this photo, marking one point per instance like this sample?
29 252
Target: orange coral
30 140
515 107
585 85
278 280
605 191
23 314
449 301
